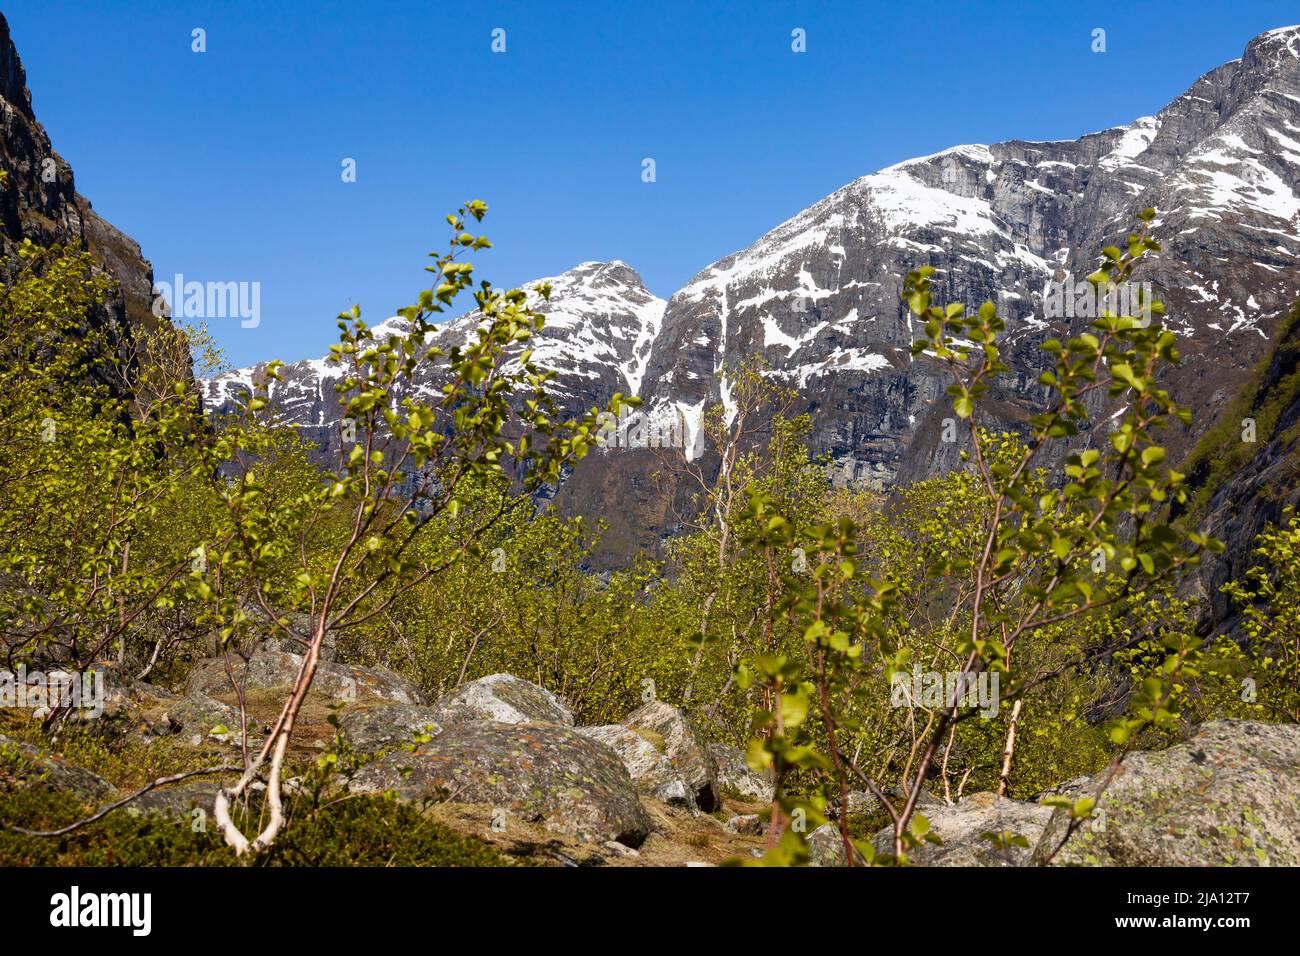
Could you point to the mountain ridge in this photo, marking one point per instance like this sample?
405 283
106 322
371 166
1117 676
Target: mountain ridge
817 297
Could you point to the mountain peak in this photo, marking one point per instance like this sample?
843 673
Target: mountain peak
13 78
1281 37
614 272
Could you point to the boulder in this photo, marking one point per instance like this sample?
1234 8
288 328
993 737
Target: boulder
139 709
863 802
650 769
267 669
196 718
178 802
1230 795
747 824
962 828
734 774
387 726
674 736
503 699
542 772
826 846
24 766
94 698
302 626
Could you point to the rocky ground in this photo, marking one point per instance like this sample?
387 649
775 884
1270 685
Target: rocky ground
501 760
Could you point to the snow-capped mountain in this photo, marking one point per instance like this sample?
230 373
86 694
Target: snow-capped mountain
600 324
818 296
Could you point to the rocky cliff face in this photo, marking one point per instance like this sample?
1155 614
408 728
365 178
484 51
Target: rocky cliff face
818 297
39 201
1247 472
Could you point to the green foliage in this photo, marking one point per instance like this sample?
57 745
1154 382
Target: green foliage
358 831
519 600
785 618
92 471
330 825
1020 598
1221 451
124 760
357 541
1269 598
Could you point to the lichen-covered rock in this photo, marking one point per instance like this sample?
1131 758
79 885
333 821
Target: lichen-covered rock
747 824
826 846
136 708
863 802
673 735
734 773
198 718
301 625
1229 795
179 802
389 725
649 768
24 766
505 699
267 669
541 772
962 827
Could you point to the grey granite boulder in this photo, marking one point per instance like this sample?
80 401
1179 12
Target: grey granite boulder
676 737
649 768
267 669
962 828
1230 795
24 766
505 699
387 726
542 773
179 802
826 846
734 773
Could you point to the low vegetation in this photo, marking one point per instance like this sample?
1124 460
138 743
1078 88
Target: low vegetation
803 622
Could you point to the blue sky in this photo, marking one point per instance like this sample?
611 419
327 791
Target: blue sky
226 165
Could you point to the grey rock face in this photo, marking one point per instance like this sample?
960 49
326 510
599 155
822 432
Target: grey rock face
818 297
196 718
26 766
270 669
505 699
40 202
1257 493
649 768
179 802
962 828
389 725
734 773
826 846
543 773
1228 796
673 735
